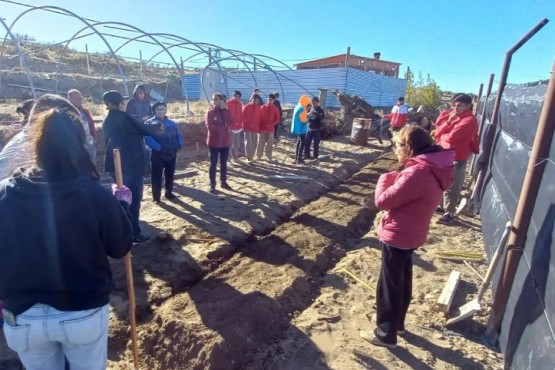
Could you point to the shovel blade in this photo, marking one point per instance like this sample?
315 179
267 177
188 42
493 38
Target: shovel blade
465 311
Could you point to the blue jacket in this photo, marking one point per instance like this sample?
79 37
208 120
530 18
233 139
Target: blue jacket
169 141
300 118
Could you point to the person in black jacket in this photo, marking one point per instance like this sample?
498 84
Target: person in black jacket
164 152
126 133
277 103
59 228
315 121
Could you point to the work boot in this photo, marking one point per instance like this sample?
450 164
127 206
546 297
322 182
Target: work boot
140 239
170 196
446 218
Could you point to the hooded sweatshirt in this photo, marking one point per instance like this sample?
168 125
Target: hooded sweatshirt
236 109
55 250
217 122
411 196
460 134
300 116
252 115
139 108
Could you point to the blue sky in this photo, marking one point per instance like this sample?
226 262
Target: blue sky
458 43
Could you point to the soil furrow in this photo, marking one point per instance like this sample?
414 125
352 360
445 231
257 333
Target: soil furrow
247 303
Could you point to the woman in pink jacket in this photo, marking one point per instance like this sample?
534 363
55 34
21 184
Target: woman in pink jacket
410 198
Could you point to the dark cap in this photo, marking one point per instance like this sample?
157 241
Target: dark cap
112 97
158 104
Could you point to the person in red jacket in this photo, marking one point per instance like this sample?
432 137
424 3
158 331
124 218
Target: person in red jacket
269 119
235 107
218 120
457 130
251 125
410 198
399 114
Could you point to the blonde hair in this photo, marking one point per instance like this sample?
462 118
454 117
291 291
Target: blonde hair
412 141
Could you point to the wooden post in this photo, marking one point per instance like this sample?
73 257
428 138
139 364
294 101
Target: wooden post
141 65
88 63
323 95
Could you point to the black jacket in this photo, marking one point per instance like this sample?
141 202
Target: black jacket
126 133
316 118
55 241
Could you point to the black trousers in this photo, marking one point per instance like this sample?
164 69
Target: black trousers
223 155
299 150
394 292
161 166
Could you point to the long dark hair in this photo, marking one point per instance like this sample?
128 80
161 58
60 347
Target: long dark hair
57 141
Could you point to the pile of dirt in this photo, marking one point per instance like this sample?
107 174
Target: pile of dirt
255 278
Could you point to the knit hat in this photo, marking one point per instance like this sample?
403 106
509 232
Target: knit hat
112 97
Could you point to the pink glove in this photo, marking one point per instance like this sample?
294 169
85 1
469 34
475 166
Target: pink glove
123 194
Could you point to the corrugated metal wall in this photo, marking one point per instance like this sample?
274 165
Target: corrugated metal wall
378 90
527 333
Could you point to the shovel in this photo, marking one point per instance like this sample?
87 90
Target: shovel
469 309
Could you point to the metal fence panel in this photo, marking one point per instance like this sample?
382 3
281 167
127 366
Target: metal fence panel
378 90
527 334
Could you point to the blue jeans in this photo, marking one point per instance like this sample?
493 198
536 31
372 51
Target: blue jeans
312 135
223 154
43 336
135 183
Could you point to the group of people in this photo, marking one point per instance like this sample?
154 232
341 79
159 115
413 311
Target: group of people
60 311
433 168
251 130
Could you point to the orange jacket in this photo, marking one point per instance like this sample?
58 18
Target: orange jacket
236 109
269 118
251 117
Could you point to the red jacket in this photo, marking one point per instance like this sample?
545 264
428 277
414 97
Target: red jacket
251 117
269 118
411 197
398 116
236 110
460 134
217 121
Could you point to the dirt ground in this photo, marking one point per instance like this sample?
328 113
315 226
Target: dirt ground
259 277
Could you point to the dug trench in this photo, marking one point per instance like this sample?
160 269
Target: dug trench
226 310
206 234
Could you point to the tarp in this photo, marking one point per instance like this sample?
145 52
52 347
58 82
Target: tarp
527 333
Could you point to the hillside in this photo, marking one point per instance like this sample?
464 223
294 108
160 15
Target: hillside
53 67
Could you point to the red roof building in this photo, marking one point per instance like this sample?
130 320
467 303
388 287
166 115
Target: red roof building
375 64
